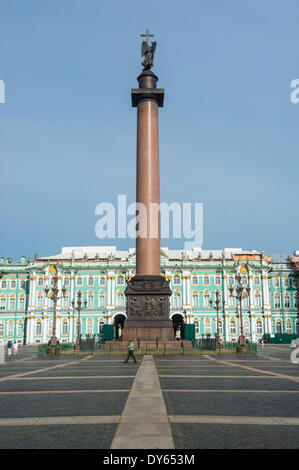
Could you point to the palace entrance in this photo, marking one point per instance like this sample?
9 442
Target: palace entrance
178 326
119 321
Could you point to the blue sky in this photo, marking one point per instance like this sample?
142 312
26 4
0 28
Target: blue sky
228 131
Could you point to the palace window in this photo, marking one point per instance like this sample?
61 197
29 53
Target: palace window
207 326
217 281
256 280
40 300
296 301
2 303
79 281
196 323
120 300
120 280
246 327
285 282
278 327
89 326
287 301
220 326
194 280
102 281
244 280
90 280
13 284
66 281
206 281
289 327
102 300
295 283
3 285
65 301
176 279
40 282
1 328
90 301
258 300
20 327
233 329
177 300
195 300
206 300
259 327
12 303
38 330
245 301
22 284
22 303
50 327
276 282
231 280
277 301
64 327
10 328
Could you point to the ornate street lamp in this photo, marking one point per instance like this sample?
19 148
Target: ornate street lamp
240 293
53 295
217 305
78 308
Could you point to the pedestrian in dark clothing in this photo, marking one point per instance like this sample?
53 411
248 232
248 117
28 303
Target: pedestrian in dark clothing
130 352
9 347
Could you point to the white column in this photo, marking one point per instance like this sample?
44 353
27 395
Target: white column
72 311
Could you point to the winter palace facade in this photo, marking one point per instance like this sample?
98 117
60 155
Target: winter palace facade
100 273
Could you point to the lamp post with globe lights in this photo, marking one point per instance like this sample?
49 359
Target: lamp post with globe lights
53 294
240 293
78 307
217 306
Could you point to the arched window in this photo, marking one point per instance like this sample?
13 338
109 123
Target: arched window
79 281
40 281
13 284
66 301
278 327
102 281
233 327
66 281
288 327
194 280
220 326
1 328
244 280
287 301
3 285
231 280
276 282
196 323
207 326
101 324
38 329
217 281
206 281
259 327
245 301
297 327
120 280
90 280
64 327
176 279
296 301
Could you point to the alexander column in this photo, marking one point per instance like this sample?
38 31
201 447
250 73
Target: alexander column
147 293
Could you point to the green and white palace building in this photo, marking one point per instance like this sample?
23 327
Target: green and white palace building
100 273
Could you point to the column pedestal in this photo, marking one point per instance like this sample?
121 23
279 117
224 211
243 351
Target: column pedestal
147 309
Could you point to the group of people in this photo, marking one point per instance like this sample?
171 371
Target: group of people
12 348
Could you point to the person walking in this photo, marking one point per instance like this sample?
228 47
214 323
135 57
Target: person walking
131 352
15 349
9 347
